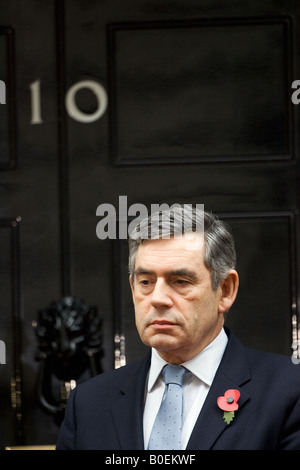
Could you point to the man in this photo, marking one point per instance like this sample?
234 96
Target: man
183 281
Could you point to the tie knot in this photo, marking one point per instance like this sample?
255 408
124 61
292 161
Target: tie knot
173 374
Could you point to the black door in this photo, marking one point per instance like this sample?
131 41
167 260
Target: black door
140 102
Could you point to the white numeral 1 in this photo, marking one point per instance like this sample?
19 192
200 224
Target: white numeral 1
35 89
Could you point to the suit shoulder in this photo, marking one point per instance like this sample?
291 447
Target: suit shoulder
112 379
262 365
273 364
267 356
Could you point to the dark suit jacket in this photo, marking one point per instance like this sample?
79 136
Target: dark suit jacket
106 412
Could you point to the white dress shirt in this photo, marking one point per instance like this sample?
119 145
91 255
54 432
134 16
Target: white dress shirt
196 386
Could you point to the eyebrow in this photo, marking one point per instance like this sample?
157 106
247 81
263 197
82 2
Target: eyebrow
185 273
177 272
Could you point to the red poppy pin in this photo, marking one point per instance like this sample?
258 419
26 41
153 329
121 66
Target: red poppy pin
228 403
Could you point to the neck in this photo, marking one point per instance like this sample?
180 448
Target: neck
179 356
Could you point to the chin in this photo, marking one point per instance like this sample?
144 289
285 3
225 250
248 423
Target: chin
163 342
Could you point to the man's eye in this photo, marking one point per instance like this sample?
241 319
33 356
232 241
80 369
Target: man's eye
144 282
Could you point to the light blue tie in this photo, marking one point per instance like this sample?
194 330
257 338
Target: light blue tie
166 431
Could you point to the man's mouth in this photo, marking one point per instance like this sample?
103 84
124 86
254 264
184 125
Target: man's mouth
161 324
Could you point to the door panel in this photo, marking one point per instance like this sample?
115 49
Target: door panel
10 327
200 91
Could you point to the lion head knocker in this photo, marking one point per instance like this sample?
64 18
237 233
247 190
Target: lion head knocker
70 347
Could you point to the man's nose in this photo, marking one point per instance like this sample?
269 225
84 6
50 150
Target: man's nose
161 295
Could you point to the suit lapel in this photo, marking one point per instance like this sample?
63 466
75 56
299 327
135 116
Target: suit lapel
232 373
128 410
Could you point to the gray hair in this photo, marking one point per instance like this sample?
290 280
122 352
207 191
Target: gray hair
220 255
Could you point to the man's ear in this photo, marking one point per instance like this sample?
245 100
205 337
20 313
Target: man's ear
229 288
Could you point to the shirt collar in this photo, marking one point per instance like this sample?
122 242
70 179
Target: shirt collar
204 365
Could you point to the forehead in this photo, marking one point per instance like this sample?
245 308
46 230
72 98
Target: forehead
186 250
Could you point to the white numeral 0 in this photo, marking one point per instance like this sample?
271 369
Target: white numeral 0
71 106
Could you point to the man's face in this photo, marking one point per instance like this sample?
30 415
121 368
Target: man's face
176 310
